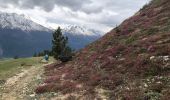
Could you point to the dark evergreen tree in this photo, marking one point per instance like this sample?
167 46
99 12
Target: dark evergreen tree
16 57
35 54
60 45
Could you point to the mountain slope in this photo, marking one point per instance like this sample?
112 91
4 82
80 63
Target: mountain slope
131 62
22 37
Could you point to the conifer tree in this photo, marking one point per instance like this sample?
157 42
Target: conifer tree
60 47
35 54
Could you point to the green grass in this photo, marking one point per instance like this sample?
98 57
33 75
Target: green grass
10 67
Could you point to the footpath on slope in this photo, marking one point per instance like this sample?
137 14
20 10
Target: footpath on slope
21 86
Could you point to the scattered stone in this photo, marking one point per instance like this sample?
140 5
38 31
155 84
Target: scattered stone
152 57
151 48
144 39
166 58
38 77
145 85
158 82
32 95
122 59
79 86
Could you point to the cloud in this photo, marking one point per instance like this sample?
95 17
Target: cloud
99 14
47 5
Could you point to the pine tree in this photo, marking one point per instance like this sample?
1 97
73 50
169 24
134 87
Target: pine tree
60 47
35 54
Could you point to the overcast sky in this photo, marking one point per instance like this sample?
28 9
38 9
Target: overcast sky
98 14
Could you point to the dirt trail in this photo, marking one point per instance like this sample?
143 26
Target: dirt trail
21 86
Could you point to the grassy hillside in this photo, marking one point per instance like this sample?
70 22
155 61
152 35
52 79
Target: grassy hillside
131 62
9 67
20 77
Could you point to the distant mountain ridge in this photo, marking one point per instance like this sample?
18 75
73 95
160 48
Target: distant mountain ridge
20 36
20 22
81 30
80 36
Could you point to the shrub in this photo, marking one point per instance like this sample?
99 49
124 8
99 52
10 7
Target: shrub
117 29
152 96
152 31
153 69
155 87
16 57
52 79
143 50
45 88
130 39
23 64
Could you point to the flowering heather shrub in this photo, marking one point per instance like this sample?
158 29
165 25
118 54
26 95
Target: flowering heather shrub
111 82
111 64
94 80
45 88
156 87
145 67
163 50
52 79
166 95
51 66
146 23
151 48
107 65
68 86
92 59
152 31
131 94
65 87
126 31
82 77
131 39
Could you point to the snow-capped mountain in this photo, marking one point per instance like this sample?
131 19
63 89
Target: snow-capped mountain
21 22
81 30
22 37
80 36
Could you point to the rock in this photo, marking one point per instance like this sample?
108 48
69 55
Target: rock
145 85
166 58
122 59
152 57
32 95
144 39
151 48
38 77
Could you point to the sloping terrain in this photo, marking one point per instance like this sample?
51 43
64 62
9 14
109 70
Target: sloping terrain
19 78
131 62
